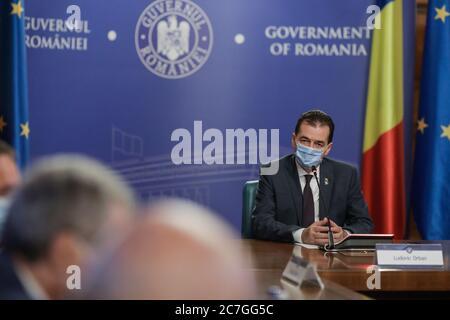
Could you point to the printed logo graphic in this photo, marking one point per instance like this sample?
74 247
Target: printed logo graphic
374 280
73 281
173 38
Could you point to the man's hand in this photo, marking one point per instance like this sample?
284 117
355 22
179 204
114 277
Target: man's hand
317 233
338 232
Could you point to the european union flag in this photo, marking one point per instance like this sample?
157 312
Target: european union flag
432 159
14 125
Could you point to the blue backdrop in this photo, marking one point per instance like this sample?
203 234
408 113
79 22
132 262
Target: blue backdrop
90 91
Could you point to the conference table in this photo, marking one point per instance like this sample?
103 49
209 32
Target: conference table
345 275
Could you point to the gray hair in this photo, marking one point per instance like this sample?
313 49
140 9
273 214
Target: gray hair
61 193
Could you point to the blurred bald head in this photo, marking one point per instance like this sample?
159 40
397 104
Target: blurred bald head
179 250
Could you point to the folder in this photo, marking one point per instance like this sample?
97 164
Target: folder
359 242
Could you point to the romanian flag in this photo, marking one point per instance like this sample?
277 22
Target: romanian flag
14 125
431 188
383 152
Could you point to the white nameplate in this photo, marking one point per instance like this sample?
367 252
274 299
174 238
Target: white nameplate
410 255
298 272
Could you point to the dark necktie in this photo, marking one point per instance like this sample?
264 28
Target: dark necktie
308 203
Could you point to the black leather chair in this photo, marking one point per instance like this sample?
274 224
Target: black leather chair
248 204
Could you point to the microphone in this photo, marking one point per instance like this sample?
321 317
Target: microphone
322 202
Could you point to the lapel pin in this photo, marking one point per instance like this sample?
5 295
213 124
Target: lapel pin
325 181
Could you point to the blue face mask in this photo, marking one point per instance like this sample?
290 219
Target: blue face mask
308 157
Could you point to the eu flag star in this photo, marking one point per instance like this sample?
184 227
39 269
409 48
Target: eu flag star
17 9
441 14
445 132
25 130
421 125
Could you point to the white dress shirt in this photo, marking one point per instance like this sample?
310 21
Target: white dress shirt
315 191
30 284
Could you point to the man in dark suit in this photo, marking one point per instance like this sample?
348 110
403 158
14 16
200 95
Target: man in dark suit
291 206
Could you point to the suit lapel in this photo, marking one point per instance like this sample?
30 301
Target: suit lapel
326 187
294 187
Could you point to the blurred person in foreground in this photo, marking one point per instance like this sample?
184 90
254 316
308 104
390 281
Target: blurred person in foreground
67 209
178 250
9 178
